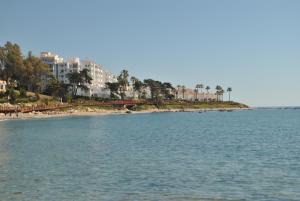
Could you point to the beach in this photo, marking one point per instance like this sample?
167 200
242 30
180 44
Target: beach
99 112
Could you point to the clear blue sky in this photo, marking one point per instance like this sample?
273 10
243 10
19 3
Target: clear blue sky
252 46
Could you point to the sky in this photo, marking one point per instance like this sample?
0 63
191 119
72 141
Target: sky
252 46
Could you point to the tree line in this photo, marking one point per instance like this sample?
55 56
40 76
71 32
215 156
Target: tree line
29 73
158 90
219 92
22 72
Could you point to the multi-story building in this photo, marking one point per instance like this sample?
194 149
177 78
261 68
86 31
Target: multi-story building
60 69
53 61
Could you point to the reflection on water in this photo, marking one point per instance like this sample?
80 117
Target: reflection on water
246 155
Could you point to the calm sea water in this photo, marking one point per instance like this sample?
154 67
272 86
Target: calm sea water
245 155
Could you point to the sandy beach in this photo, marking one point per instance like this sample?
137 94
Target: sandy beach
99 112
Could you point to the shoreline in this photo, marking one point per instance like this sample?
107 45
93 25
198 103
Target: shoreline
76 113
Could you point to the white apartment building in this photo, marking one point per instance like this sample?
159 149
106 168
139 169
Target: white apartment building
61 68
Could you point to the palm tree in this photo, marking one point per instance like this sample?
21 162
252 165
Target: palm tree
183 90
222 93
124 83
218 92
207 88
201 86
196 90
229 90
218 88
177 91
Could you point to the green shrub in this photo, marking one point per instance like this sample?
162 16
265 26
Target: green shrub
37 95
69 98
45 101
2 95
23 93
3 100
12 96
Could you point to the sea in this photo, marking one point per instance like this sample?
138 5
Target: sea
176 156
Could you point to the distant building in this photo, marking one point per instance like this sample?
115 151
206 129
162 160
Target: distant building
3 86
60 69
190 95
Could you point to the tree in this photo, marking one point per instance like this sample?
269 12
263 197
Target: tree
218 95
207 89
197 90
113 88
177 91
229 90
183 91
221 94
218 92
34 73
12 96
11 62
201 86
167 90
218 88
137 85
156 90
79 80
2 63
57 89
123 82
154 86
160 90
26 73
